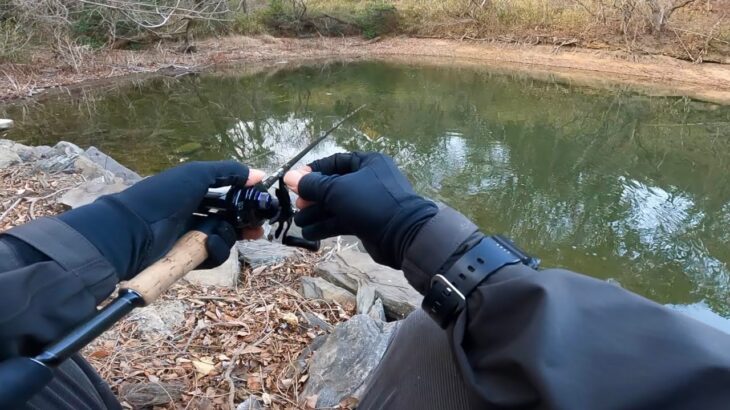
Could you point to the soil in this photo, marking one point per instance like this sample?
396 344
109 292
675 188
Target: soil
653 74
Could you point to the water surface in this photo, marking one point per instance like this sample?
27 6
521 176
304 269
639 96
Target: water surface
610 183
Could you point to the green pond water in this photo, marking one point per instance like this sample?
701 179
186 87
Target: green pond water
609 182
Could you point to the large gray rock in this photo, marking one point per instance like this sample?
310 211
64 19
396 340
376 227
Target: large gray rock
91 170
56 163
8 157
12 147
88 192
68 149
159 318
351 269
262 252
369 304
225 275
342 366
108 163
61 159
318 288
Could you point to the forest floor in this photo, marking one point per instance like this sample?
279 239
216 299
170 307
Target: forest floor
197 347
654 74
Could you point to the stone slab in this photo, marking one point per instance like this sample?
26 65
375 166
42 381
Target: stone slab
88 192
225 275
340 369
110 164
262 252
318 288
351 269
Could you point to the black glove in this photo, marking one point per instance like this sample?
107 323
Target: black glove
362 194
137 226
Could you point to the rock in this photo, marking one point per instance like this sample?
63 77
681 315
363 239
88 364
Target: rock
159 318
68 149
365 299
251 403
40 152
350 269
56 163
108 163
8 157
6 124
88 192
377 311
301 364
144 395
341 367
225 275
318 288
62 158
369 304
24 152
315 320
341 242
91 170
262 252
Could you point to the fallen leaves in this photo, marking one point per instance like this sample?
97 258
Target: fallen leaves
27 193
204 366
232 343
290 318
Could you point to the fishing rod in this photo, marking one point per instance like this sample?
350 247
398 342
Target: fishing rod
23 377
251 207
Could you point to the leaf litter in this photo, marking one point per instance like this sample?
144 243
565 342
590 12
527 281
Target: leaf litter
234 343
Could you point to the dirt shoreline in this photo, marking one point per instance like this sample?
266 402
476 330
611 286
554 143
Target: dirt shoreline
652 74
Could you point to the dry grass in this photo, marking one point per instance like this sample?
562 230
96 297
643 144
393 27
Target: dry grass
697 31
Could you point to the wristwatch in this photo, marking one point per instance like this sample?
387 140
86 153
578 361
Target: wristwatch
448 292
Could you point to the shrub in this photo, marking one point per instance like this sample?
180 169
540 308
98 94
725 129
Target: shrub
12 41
249 23
378 19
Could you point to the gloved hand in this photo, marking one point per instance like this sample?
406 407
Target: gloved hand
361 194
137 226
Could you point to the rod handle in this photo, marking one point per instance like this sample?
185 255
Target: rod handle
187 253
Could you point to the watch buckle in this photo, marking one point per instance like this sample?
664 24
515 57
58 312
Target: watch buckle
450 288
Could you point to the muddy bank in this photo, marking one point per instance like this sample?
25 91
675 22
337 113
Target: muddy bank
651 74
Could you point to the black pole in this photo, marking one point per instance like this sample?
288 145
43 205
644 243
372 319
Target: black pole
271 179
22 377
83 334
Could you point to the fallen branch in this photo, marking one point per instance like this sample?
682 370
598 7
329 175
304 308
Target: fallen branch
7 211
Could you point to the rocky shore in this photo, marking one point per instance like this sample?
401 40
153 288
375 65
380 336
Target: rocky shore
274 327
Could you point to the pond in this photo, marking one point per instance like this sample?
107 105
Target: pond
607 182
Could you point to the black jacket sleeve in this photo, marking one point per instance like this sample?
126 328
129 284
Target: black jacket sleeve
51 279
557 339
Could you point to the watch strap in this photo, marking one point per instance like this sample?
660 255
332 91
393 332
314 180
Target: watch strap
448 292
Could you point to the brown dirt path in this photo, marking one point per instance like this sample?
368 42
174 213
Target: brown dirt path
648 73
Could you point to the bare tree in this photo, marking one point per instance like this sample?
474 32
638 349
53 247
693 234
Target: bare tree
662 10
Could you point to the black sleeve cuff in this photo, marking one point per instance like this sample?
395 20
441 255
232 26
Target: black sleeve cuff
435 244
72 251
